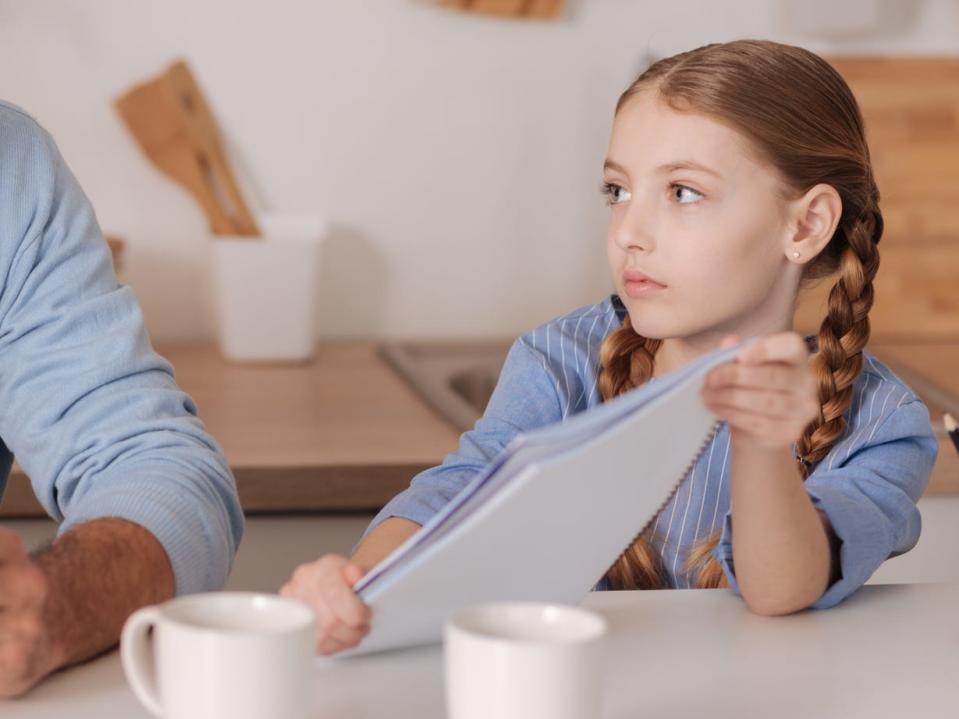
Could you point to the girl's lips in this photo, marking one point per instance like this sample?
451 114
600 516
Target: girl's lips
637 284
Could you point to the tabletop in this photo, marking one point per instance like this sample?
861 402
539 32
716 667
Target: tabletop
888 651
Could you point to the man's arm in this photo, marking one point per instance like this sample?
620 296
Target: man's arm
99 425
68 603
91 412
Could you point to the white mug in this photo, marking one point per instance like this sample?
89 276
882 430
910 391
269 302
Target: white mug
222 655
524 660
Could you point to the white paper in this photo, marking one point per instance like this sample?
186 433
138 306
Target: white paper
550 515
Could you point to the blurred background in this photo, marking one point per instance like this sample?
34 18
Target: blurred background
453 151
455 156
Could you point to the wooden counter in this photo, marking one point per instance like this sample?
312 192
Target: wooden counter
342 432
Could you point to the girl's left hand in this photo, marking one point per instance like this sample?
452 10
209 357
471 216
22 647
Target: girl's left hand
768 395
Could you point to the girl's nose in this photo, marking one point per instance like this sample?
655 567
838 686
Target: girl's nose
633 232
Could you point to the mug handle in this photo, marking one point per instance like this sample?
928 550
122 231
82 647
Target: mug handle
135 653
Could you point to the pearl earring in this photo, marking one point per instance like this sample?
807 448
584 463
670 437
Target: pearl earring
796 254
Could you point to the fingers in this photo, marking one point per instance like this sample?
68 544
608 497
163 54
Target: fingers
340 638
760 401
22 584
787 347
24 645
353 573
12 549
795 381
782 423
342 619
769 392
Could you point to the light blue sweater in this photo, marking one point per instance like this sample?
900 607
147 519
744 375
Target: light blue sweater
867 485
91 412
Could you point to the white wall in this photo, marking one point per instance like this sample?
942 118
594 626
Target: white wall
457 157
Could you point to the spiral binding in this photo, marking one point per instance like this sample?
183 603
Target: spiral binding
669 498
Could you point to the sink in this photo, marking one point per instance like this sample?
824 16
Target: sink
456 379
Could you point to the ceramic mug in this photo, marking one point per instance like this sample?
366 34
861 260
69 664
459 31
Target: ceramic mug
524 660
222 655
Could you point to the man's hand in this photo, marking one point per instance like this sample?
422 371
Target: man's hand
26 653
69 602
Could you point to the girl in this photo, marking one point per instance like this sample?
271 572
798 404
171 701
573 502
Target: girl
736 172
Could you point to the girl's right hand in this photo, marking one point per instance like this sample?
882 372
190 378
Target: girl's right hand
326 585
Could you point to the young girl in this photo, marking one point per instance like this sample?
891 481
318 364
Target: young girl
735 173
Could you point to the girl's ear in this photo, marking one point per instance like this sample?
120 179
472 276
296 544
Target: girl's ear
814 217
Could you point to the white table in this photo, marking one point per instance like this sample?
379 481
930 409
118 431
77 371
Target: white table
890 651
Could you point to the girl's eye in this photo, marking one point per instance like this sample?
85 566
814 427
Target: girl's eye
685 195
614 193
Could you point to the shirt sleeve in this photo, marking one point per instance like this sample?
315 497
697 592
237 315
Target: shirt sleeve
90 410
869 498
525 398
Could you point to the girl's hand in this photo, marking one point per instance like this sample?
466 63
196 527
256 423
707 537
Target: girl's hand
342 620
768 395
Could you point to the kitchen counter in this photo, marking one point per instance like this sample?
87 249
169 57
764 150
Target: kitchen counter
344 432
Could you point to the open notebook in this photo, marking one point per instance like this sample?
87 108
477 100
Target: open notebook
550 515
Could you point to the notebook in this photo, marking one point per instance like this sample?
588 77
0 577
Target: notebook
550 515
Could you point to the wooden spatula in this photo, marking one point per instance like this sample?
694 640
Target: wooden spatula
510 8
173 124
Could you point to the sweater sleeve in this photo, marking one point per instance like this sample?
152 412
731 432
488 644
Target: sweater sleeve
92 413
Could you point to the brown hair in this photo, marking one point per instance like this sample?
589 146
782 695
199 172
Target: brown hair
803 119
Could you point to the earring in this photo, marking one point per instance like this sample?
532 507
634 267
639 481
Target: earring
796 254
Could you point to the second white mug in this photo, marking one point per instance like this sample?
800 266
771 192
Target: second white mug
524 660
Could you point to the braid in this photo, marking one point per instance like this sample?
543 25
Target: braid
843 335
626 360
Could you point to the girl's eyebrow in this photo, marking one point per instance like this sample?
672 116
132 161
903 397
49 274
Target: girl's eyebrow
688 165
668 167
610 165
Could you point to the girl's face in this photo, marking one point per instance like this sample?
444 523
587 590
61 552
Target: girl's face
697 226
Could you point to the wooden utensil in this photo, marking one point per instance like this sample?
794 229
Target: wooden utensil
172 122
510 8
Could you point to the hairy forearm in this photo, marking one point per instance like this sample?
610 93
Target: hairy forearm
781 544
98 573
382 540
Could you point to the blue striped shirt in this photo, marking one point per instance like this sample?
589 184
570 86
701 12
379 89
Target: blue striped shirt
867 485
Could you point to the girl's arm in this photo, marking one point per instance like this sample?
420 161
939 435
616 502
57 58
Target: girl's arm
782 549
864 497
784 560
382 540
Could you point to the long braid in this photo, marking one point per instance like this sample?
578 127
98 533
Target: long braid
843 335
